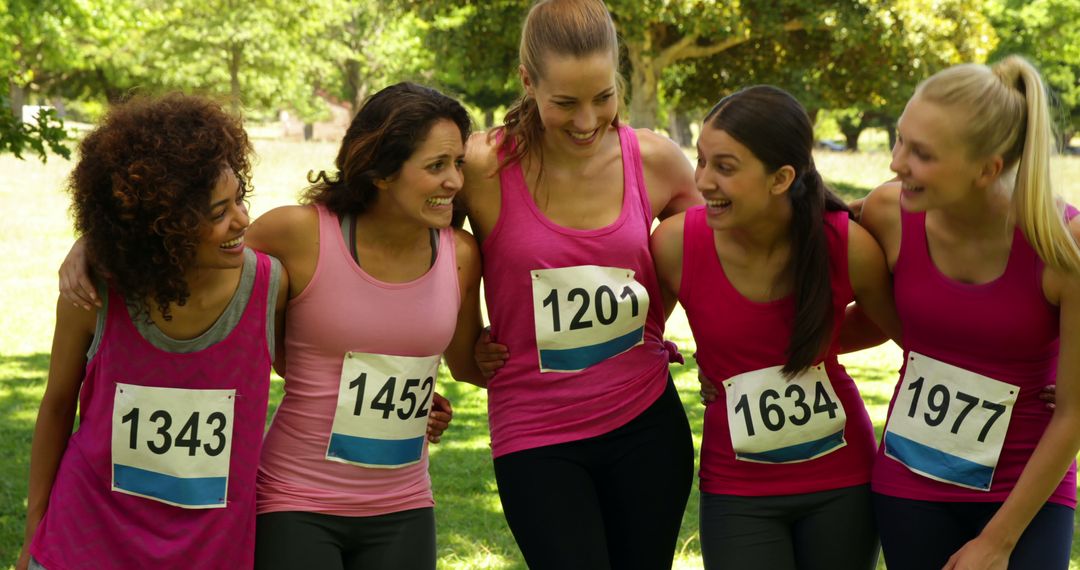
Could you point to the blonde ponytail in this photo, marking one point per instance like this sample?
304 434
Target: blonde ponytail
1009 116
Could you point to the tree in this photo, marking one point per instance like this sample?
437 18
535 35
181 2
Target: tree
1048 33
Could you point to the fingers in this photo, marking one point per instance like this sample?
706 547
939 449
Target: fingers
439 418
490 356
78 289
1049 395
708 391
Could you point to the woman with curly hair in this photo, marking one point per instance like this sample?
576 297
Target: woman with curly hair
171 373
380 286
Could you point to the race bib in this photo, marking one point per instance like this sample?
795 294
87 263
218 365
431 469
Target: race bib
775 420
586 314
948 423
382 408
172 445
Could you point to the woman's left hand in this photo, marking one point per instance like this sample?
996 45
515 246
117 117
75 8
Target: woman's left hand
979 554
439 417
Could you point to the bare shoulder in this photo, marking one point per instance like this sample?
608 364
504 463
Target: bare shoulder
481 156
468 251
667 239
286 220
284 231
883 205
658 151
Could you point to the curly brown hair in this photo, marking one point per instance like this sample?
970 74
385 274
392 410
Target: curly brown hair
141 191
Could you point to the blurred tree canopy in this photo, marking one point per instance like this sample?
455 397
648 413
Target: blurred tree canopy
860 59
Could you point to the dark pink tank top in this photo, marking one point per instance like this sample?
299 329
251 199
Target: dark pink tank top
1004 330
735 335
89 525
528 408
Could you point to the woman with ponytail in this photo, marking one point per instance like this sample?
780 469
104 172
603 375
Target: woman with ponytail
973 471
765 270
593 455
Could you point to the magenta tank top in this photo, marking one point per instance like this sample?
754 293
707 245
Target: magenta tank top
343 310
1004 330
90 525
585 293
734 336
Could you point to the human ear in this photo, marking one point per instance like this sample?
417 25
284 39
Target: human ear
781 180
526 81
990 170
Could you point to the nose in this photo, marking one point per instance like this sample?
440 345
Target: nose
702 180
241 220
585 118
899 156
455 179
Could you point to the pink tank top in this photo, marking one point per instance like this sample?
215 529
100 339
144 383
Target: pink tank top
90 525
735 336
342 310
1004 330
585 292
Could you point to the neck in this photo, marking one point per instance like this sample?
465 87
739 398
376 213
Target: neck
983 211
386 230
766 235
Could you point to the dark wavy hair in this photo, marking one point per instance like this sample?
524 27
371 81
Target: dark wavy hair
386 131
141 191
775 127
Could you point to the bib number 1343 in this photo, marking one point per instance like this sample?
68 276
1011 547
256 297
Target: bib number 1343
586 314
382 409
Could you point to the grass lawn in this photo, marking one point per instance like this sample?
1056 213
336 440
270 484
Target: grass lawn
36 233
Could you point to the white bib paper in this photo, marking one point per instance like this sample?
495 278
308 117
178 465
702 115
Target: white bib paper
172 444
948 423
586 314
382 408
775 420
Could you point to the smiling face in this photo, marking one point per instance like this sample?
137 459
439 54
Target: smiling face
929 158
221 243
423 189
577 98
735 184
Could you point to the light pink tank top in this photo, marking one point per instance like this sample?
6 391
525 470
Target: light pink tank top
343 309
528 408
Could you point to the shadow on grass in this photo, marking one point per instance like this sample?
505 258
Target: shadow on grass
22 382
848 191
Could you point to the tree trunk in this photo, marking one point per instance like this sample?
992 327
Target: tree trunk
679 127
309 131
489 118
236 54
890 129
17 94
643 104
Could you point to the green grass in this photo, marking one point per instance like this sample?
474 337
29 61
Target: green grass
36 233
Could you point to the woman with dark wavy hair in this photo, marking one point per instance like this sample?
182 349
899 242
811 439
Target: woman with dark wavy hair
171 373
381 286
765 270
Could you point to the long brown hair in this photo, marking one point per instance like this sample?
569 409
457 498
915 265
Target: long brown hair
577 28
775 127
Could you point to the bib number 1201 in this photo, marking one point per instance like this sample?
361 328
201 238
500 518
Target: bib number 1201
604 301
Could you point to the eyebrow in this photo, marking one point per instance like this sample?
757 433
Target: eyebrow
442 156
719 156
608 91
220 203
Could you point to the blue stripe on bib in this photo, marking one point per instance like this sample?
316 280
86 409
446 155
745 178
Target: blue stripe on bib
190 491
799 452
368 451
585 356
938 464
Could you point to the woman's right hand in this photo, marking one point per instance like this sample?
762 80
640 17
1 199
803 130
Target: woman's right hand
490 356
76 286
708 391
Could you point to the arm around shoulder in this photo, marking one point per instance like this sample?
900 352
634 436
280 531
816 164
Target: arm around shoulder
872 286
881 217
666 244
669 176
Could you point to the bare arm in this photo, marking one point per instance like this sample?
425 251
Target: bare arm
872 285
666 244
459 355
279 323
72 337
291 234
669 177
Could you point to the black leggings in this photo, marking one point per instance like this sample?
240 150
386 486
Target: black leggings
295 540
827 530
611 501
924 534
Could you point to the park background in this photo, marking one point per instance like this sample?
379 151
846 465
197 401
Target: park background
296 69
